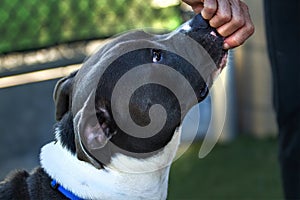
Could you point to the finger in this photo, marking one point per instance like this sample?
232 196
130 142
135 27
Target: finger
223 14
198 8
197 5
209 9
242 34
193 2
237 21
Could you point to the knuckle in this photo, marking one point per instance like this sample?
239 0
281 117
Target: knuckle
239 22
210 10
237 41
225 17
244 6
250 29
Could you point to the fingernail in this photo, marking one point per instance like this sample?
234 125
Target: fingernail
226 46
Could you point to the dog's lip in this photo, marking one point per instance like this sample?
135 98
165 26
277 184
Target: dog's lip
223 61
224 57
199 29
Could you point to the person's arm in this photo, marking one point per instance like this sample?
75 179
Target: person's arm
231 18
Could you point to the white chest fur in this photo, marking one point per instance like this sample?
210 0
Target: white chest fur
116 181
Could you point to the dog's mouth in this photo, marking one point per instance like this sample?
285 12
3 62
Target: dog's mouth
200 30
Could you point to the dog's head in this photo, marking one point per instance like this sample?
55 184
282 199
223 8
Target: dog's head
129 98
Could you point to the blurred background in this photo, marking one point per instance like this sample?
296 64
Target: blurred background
42 41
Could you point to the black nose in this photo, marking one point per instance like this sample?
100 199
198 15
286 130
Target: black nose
199 29
198 22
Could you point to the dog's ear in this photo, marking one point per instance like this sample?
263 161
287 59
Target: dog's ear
62 95
95 125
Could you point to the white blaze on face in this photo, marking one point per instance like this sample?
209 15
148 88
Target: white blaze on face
157 162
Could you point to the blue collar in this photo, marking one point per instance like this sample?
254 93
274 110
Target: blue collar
64 191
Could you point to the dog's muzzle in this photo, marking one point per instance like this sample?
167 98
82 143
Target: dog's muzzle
207 36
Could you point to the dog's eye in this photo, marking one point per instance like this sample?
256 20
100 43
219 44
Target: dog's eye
156 55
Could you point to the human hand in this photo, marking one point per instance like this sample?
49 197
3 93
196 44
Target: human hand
231 18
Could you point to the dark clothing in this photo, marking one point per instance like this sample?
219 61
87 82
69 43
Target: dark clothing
283 33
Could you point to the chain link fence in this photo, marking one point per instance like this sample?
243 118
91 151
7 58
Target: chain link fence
33 24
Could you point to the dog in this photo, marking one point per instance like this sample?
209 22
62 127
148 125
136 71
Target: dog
114 141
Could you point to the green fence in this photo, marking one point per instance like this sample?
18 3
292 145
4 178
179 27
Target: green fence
33 24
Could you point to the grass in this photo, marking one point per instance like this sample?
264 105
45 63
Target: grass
246 168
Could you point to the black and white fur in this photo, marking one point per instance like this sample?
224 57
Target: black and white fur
120 175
